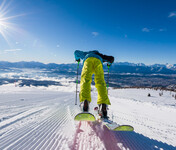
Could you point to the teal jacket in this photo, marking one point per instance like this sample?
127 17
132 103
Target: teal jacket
84 55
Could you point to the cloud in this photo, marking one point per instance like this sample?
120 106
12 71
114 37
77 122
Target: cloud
157 30
12 50
95 34
146 30
162 30
37 44
172 14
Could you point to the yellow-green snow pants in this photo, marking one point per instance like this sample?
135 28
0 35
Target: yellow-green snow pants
92 66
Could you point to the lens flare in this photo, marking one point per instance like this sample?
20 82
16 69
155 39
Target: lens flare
7 28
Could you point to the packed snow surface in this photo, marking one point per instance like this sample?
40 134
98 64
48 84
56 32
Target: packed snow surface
43 118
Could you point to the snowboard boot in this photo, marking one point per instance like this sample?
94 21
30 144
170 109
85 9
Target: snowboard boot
103 111
84 106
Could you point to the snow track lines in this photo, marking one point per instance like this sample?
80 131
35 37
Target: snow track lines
48 134
19 117
50 125
45 133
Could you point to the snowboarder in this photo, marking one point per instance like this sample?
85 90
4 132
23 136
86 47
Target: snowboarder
93 64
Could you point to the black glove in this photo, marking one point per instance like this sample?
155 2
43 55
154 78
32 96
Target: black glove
78 60
111 58
108 64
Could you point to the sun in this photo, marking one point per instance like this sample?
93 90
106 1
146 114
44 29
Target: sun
7 27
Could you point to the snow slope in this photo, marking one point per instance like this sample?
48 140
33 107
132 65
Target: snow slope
42 118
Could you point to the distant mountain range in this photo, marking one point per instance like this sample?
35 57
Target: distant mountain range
168 66
119 67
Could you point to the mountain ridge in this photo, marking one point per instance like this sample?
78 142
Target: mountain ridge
117 67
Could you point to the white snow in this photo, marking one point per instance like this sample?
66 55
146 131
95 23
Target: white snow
152 116
42 118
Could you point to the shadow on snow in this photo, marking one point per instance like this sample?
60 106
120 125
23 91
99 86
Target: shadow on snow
117 140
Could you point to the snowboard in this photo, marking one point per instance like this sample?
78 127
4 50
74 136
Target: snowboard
112 125
116 127
85 116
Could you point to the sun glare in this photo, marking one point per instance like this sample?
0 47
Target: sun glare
6 25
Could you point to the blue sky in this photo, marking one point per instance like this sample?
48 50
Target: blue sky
138 31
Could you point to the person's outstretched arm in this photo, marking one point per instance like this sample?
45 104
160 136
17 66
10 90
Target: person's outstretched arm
108 59
79 55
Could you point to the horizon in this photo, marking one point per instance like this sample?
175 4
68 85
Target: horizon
50 31
82 62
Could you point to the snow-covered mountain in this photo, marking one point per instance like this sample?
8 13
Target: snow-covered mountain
169 66
119 67
39 74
